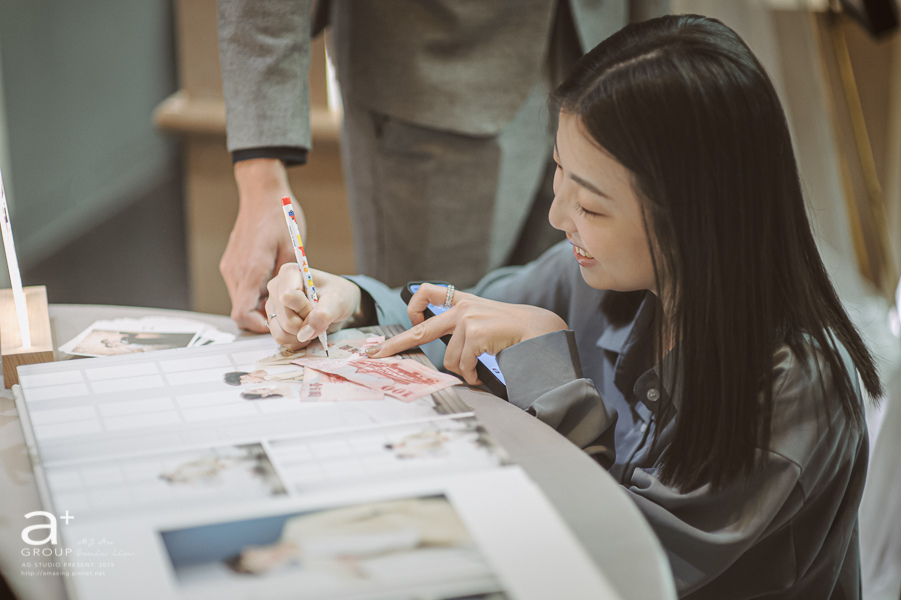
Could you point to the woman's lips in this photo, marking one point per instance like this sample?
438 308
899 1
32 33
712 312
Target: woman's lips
581 256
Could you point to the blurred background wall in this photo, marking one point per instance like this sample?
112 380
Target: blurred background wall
95 191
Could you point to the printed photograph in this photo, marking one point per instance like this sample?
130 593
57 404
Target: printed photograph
408 544
325 387
101 342
227 473
238 378
270 392
233 466
444 439
313 463
263 384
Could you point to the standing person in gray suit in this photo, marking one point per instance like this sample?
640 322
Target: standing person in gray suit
446 141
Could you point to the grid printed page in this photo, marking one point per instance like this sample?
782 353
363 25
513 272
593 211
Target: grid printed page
179 399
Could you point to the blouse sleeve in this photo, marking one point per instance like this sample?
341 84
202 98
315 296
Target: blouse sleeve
544 377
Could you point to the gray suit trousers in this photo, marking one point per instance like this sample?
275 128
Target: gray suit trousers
427 204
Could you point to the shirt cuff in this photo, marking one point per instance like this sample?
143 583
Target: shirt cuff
290 155
544 377
539 365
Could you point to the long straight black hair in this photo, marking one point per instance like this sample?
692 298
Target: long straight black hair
683 104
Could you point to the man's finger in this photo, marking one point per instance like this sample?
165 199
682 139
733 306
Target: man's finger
425 332
245 312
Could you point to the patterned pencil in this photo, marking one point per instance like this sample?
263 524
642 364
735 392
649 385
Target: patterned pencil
302 262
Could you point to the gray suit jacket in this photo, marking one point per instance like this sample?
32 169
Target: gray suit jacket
457 65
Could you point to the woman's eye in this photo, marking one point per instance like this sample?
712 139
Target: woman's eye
587 213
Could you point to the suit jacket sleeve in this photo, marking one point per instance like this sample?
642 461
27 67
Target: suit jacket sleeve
264 54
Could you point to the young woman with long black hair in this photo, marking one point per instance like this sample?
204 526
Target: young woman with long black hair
687 336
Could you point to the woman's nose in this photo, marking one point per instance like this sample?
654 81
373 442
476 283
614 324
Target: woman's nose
557 214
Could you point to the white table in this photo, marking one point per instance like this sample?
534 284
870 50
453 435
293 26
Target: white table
595 507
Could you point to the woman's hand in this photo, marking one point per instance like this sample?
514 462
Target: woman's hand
476 326
297 321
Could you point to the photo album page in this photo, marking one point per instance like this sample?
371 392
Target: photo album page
243 470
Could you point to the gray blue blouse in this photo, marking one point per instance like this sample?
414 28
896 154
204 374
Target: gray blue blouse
790 531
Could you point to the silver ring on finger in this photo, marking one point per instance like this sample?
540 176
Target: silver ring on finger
449 297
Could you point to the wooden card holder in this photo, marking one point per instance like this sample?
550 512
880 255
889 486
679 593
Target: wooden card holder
41 349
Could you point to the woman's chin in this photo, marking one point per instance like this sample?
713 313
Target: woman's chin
600 281
595 280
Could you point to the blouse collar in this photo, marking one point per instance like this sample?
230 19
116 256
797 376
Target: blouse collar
634 370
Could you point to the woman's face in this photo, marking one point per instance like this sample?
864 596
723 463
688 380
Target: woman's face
598 209
257 376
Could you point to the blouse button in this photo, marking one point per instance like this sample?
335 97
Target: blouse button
653 395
